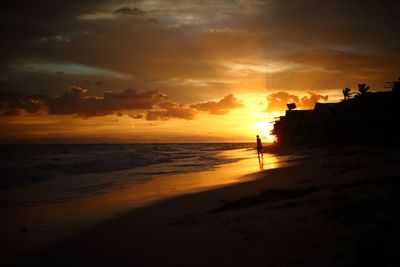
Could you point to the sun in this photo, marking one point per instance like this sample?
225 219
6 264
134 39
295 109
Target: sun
263 129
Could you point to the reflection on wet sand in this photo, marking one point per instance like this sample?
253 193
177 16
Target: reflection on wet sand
145 193
261 163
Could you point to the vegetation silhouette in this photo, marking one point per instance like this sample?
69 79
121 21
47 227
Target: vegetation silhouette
363 88
347 93
360 118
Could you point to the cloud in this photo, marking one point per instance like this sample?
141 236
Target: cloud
137 116
130 99
76 102
277 101
309 102
171 110
129 11
221 107
337 43
19 104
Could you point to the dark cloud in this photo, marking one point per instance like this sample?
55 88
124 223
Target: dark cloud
18 104
130 99
75 102
129 11
364 24
334 42
277 101
221 107
25 23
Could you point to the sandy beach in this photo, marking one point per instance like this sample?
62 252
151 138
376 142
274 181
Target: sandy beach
330 206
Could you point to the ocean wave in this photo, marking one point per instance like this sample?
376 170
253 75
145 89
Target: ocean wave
26 164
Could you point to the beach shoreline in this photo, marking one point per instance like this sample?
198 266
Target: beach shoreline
28 230
318 212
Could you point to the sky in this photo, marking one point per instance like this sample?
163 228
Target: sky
183 71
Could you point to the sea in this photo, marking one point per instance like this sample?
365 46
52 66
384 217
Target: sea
43 174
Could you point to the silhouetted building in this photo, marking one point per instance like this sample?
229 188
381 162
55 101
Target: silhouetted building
365 119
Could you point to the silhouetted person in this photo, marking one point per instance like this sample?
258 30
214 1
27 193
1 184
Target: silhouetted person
259 146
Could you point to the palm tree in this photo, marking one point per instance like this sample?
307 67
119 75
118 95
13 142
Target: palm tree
363 88
347 93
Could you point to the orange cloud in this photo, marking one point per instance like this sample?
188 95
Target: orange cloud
277 101
169 110
221 107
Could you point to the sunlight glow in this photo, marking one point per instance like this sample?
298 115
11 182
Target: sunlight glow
264 131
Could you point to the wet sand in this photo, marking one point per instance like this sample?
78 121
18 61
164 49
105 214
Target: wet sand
338 206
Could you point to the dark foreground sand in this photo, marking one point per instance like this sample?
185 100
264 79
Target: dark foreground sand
339 206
